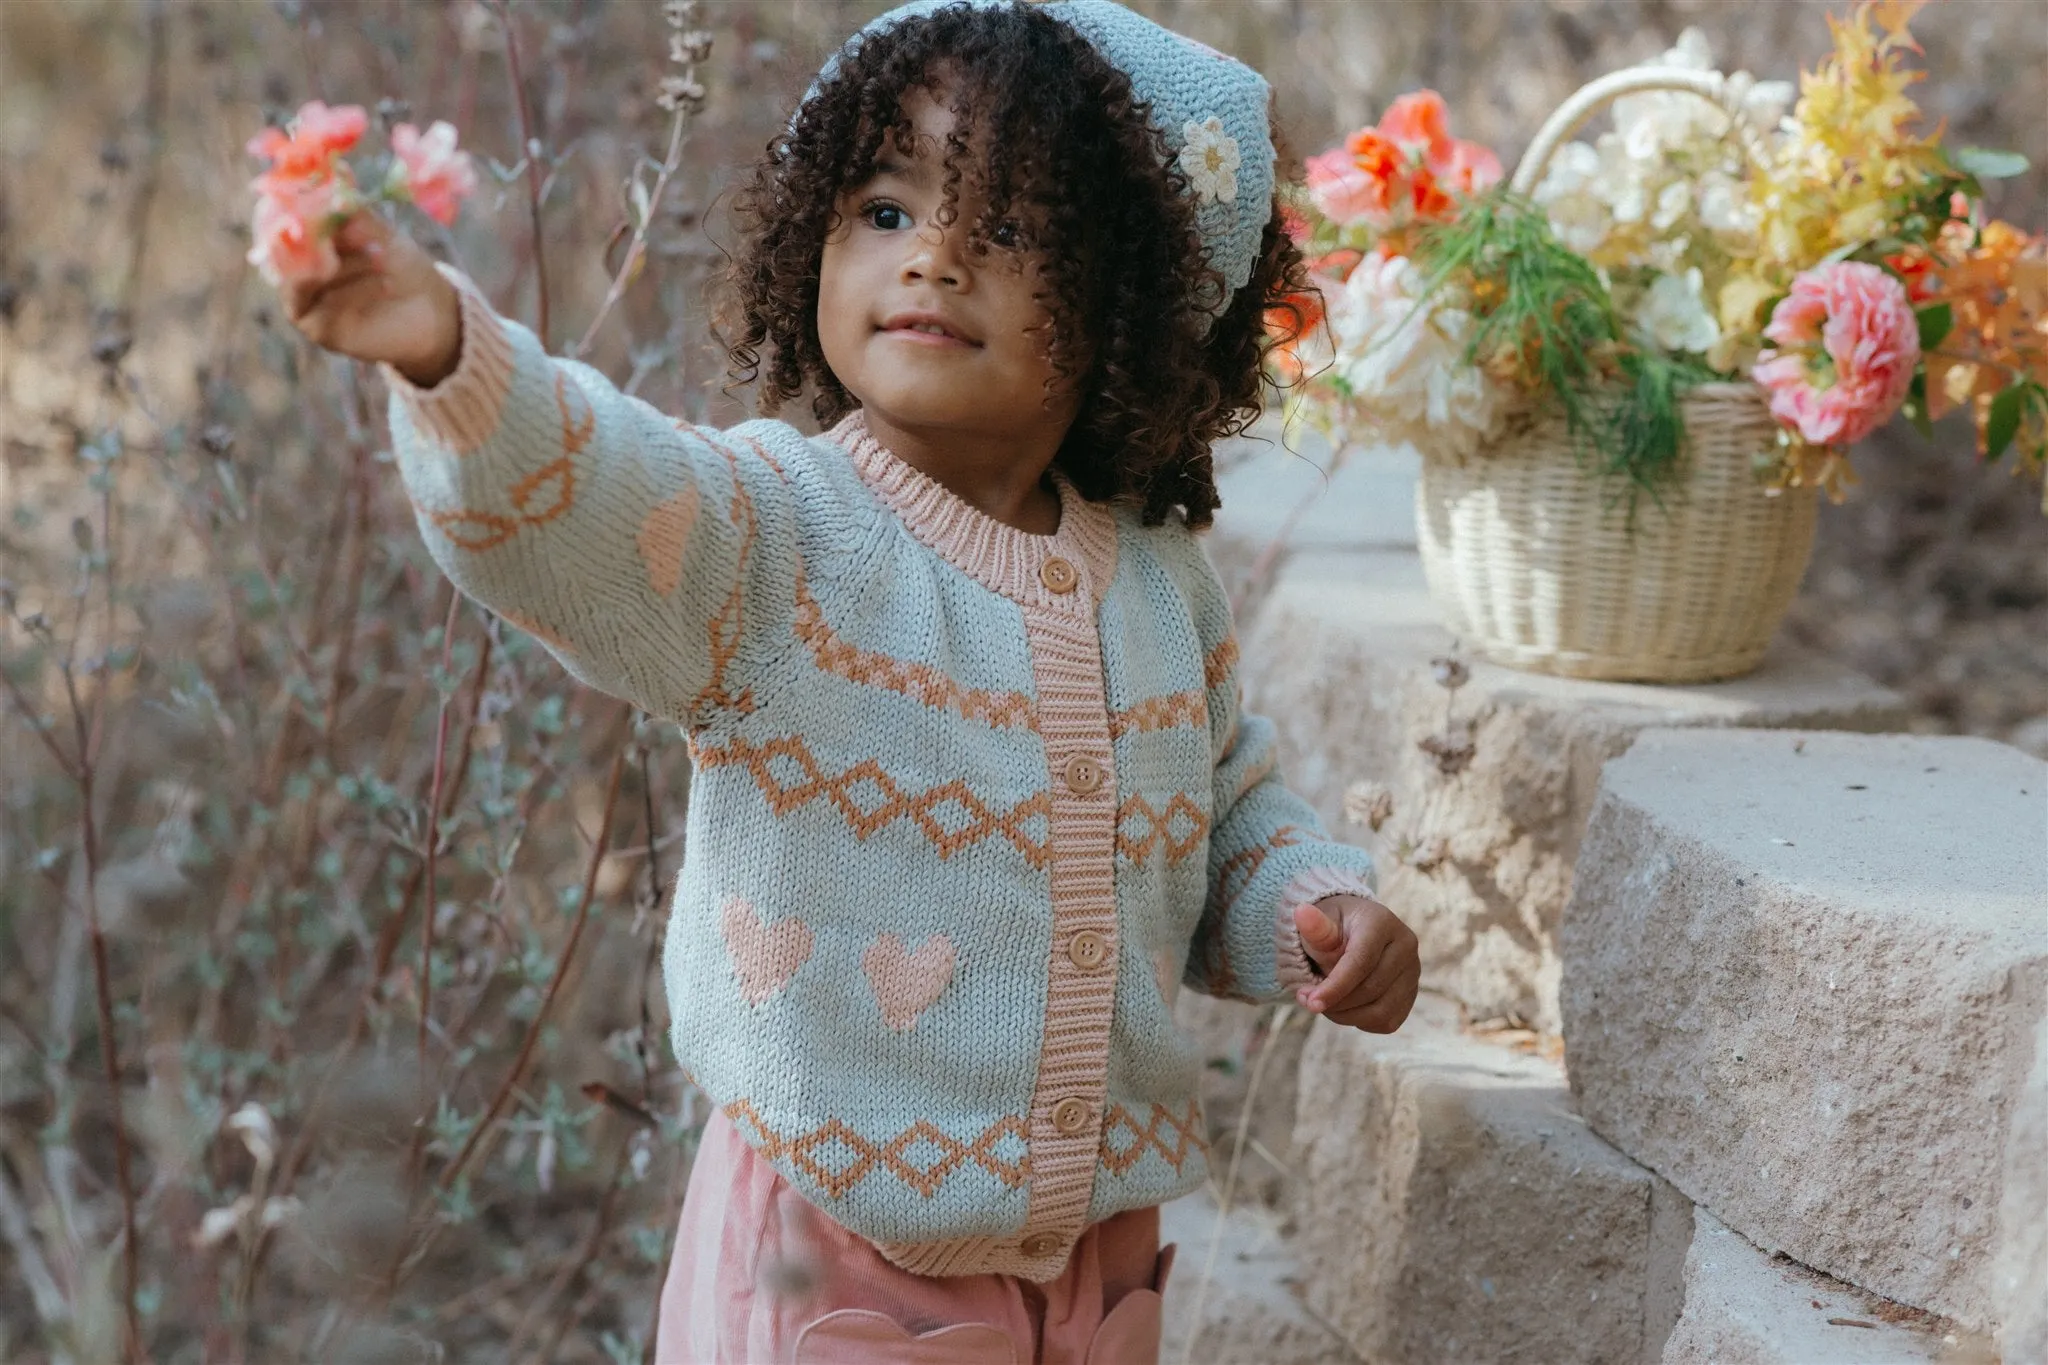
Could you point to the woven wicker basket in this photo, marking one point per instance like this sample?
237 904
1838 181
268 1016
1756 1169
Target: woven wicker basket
1537 564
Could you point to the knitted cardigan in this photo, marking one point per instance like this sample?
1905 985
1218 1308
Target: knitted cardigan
968 804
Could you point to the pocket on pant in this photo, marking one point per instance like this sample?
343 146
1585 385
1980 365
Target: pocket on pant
857 1336
1130 1334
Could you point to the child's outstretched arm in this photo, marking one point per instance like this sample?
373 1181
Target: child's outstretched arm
1290 911
647 555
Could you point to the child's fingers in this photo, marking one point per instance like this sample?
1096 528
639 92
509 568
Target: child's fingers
1362 953
1321 939
305 296
1400 963
366 232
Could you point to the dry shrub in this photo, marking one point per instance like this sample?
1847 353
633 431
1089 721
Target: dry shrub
241 705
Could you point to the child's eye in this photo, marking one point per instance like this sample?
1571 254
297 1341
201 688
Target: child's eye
1009 234
885 216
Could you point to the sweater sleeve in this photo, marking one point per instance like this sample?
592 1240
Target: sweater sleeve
1268 853
649 556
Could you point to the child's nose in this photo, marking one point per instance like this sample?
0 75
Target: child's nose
935 257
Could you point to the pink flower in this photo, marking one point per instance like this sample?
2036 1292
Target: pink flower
290 246
437 176
1847 344
314 138
1468 167
1343 191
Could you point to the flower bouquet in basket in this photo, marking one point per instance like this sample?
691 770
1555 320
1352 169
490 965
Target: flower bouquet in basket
1632 369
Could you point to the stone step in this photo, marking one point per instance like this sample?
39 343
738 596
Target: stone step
1746 1307
1802 978
2020 1276
1237 1305
1452 1206
1480 833
1277 480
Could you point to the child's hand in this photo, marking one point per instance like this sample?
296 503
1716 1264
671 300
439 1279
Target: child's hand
385 303
1370 962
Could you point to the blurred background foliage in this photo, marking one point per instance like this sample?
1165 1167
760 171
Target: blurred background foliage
355 897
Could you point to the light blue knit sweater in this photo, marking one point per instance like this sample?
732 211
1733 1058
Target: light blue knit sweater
969 804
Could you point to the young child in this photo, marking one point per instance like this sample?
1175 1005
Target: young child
973 790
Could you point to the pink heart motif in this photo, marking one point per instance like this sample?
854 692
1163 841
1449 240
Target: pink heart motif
906 983
664 536
765 957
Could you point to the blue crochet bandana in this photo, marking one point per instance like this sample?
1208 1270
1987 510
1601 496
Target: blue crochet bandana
1211 109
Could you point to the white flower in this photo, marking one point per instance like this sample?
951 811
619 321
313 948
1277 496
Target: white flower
1572 170
1667 254
1725 207
1672 203
1209 158
1674 314
1763 103
1404 361
1692 51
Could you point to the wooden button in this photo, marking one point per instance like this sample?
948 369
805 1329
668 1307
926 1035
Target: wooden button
1084 775
1070 1115
1058 575
1087 950
1040 1244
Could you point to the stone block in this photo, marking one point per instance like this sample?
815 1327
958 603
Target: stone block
1477 854
1239 1305
2021 1286
1453 1207
1802 979
1745 1307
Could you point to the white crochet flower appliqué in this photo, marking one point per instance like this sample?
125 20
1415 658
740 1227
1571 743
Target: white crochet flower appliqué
1209 158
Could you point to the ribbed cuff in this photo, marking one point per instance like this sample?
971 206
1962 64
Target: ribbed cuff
461 412
1292 965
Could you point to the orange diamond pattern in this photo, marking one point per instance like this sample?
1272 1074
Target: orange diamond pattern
1124 1143
869 800
1155 828
811 1152
1185 1128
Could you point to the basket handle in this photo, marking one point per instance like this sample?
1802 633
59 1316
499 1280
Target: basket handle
1592 98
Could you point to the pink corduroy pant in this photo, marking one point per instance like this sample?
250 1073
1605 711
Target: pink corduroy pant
762 1277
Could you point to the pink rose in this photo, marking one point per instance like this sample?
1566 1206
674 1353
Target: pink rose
437 176
1847 343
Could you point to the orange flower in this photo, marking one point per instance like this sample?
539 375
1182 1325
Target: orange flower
1916 267
1404 170
1430 201
1420 125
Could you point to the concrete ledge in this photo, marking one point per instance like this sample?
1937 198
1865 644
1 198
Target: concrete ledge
1477 856
1744 1307
1803 975
1453 1207
1247 1311
2021 1287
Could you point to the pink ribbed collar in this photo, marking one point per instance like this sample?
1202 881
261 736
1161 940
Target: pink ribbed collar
999 556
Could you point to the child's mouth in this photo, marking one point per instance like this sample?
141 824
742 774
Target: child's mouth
926 329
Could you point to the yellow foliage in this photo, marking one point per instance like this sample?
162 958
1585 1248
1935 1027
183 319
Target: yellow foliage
1854 160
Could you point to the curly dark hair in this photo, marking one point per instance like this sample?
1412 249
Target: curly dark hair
1054 128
